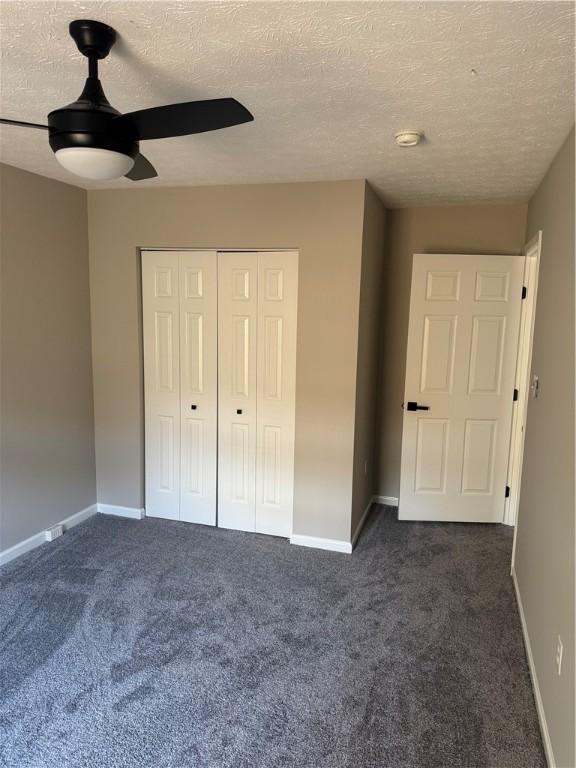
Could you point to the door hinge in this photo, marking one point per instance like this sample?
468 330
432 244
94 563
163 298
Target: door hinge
524 291
515 397
507 494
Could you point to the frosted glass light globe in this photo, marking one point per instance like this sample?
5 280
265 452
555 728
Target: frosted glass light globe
94 163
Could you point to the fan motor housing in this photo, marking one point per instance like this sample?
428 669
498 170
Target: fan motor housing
87 122
73 127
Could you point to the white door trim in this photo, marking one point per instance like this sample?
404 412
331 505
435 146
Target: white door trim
532 249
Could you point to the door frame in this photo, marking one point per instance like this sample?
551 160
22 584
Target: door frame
522 379
532 250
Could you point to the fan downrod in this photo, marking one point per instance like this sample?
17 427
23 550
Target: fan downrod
93 38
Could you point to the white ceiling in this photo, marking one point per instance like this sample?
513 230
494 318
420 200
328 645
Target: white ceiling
491 84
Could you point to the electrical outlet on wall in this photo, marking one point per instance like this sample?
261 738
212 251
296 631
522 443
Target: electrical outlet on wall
559 652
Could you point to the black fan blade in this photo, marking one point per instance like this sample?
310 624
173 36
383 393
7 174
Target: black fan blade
142 169
5 121
182 119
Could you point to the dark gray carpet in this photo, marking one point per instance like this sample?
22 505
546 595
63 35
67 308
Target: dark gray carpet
153 643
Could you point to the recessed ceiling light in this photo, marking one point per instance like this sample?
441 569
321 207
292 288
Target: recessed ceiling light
408 138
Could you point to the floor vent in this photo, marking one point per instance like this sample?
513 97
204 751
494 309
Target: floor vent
54 532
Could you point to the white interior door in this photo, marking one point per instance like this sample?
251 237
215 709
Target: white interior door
198 386
276 391
237 340
160 307
461 360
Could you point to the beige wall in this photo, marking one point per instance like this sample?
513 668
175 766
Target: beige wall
457 229
545 538
369 326
324 221
46 428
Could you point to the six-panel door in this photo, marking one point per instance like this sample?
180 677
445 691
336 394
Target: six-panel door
180 375
461 358
219 364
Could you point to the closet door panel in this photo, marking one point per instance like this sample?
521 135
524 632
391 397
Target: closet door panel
198 386
276 391
160 309
237 339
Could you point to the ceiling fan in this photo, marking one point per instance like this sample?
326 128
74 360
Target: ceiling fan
93 140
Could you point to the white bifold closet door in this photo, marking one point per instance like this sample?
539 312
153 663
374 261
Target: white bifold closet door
220 375
257 309
179 291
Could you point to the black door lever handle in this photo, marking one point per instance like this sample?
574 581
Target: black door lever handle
412 406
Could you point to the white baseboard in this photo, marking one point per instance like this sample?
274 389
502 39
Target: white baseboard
334 545
388 501
131 512
40 538
537 695
362 521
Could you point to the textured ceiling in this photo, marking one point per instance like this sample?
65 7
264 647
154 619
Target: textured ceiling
490 83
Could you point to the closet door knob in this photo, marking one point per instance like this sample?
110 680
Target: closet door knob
238 410
193 407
